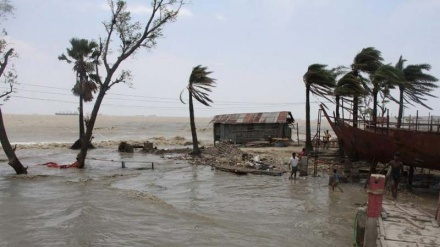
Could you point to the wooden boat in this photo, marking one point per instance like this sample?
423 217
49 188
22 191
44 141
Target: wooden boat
418 144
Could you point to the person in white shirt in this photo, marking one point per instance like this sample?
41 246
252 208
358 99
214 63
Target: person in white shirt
293 165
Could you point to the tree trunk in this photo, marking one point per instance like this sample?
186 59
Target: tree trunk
400 116
9 151
89 128
355 110
337 108
196 149
375 92
81 117
78 143
309 145
337 122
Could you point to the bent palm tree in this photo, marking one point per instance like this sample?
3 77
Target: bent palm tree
415 86
82 53
318 81
198 87
353 86
369 60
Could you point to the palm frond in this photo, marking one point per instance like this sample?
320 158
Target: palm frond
350 85
180 97
400 64
368 60
419 84
320 80
81 53
200 84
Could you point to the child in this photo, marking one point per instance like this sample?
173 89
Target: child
335 181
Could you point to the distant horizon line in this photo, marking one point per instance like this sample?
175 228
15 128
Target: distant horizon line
109 115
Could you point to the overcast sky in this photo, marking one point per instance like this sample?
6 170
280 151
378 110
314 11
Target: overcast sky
258 51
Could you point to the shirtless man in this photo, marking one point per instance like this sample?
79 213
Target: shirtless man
396 167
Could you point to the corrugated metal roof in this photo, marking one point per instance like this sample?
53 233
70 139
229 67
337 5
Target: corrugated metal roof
248 118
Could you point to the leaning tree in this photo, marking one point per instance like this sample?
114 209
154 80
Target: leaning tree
319 81
369 60
415 85
352 86
7 73
199 86
130 37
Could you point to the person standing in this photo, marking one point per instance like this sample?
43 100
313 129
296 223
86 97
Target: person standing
293 165
302 153
326 139
335 180
302 162
396 167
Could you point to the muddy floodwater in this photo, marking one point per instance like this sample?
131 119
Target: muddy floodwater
176 204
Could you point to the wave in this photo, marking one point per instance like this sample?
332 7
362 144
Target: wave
158 140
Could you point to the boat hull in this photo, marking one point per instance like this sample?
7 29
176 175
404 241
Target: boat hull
378 144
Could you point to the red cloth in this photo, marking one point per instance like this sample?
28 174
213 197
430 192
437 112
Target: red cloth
55 165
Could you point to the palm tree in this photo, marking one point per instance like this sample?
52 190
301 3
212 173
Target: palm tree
415 86
198 87
353 86
318 81
348 85
369 60
82 53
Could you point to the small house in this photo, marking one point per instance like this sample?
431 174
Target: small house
247 127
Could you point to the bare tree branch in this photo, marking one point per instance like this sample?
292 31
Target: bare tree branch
5 61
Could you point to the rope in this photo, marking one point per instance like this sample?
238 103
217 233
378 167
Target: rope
355 226
355 229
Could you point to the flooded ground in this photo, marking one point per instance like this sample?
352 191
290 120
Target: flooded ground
175 204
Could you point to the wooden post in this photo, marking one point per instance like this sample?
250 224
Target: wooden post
417 120
388 120
430 125
375 197
123 164
152 165
297 133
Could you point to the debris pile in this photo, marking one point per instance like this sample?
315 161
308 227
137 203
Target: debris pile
227 157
